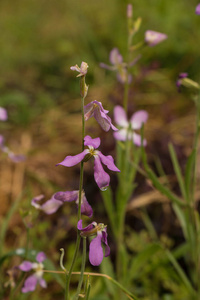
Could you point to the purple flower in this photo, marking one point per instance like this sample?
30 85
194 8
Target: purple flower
82 70
127 128
101 177
153 38
3 114
95 250
59 198
31 282
179 81
198 9
118 65
96 110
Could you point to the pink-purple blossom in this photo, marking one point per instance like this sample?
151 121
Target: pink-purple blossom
153 38
31 282
59 198
95 250
95 109
119 66
127 128
3 114
101 177
198 9
82 70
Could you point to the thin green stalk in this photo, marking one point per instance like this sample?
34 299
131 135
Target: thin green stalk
82 270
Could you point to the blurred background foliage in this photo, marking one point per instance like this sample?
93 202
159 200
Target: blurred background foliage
39 41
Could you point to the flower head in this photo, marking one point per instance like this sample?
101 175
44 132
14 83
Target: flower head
153 38
198 9
179 81
31 282
119 66
96 110
3 114
95 250
128 127
101 177
82 70
59 198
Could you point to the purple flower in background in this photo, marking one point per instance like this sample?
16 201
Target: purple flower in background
82 70
128 127
3 114
95 250
153 38
59 198
96 110
179 81
198 9
31 282
118 65
101 177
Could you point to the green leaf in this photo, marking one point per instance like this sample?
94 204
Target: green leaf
108 203
107 268
189 173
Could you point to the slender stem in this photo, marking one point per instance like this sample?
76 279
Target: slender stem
129 294
82 269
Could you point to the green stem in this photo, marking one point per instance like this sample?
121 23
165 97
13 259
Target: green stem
82 270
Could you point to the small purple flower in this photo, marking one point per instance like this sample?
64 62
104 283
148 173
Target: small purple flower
3 114
14 157
179 81
96 110
118 65
198 9
101 177
153 38
127 128
31 282
82 70
59 198
95 250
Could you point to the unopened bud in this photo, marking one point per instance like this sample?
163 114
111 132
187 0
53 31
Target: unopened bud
129 11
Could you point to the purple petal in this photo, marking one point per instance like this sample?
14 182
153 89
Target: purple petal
51 206
138 119
153 38
35 200
16 157
41 257
1 141
25 266
42 283
120 135
120 116
86 209
115 57
107 67
105 241
67 196
101 177
87 228
108 161
95 143
137 140
30 284
96 251
198 9
70 161
3 114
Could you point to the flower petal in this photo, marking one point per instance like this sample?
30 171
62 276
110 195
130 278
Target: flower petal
198 9
137 140
42 283
115 57
25 266
121 135
41 256
96 250
104 240
87 228
30 284
1 141
120 116
138 119
67 196
3 114
70 161
95 143
51 206
153 38
86 209
101 177
108 161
